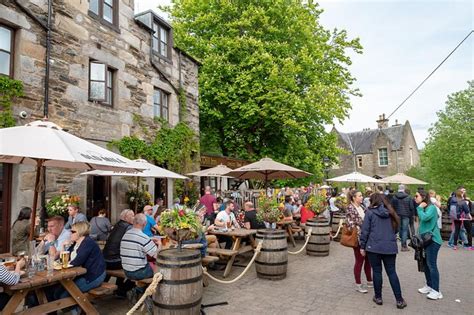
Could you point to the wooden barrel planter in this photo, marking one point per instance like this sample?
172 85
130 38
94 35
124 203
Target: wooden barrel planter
318 244
180 290
272 262
446 227
337 217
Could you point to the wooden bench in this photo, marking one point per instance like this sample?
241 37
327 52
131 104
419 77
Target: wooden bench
103 290
119 273
222 252
206 261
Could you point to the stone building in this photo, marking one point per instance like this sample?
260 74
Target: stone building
379 152
108 66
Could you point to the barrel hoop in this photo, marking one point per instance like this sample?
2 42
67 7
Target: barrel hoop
177 307
272 264
271 275
274 249
198 263
266 237
184 281
317 251
194 256
319 243
320 234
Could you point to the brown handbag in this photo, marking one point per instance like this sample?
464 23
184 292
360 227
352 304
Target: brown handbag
349 237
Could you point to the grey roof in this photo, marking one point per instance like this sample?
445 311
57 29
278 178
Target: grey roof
362 141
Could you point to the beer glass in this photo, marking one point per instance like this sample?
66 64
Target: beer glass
65 258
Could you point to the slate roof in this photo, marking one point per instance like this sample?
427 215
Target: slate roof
363 141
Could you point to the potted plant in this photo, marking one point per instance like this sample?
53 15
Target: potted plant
138 199
180 224
316 203
341 202
268 212
58 204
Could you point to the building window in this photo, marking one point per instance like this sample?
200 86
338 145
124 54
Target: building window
160 104
105 11
161 39
383 157
359 161
6 50
101 83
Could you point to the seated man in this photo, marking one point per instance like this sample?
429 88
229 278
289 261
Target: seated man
111 250
250 218
57 237
226 219
150 222
9 278
134 248
74 216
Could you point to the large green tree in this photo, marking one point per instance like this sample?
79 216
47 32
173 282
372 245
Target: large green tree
271 77
448 156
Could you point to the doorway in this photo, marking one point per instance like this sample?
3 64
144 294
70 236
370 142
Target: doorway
98 195
161 189
5 206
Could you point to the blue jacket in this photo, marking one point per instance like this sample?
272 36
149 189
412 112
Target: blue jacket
377 235
90 257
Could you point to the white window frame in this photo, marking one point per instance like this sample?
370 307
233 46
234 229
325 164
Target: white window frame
379 150
158 41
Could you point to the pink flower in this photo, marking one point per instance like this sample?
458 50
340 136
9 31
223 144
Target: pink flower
181 213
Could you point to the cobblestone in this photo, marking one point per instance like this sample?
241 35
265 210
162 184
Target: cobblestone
325 285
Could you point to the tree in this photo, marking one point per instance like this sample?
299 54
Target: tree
271 78
9 89
448 156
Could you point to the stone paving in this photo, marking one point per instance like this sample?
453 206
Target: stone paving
325 285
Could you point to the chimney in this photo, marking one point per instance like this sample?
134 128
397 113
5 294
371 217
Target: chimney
382 122
396 123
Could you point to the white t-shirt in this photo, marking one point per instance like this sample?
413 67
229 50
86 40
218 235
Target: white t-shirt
223 217
332 205
440 214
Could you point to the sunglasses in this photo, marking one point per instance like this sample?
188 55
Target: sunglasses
73 231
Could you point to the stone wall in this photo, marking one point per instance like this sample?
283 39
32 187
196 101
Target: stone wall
76 39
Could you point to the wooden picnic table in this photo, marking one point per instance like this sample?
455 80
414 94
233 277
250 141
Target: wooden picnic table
286 225
237 235
41 282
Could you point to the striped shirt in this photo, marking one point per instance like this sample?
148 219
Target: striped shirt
7 277
134 247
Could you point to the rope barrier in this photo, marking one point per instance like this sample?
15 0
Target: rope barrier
257 251
308 235
341 223
149 291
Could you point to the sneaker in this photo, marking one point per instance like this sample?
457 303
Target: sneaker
377 301
401 304
405 249
361 289
434 295
454 247
425 290
370 284
450 245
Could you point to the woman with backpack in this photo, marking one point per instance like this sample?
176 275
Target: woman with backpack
459 212
428 217
379 242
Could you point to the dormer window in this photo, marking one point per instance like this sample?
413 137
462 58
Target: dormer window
106 11
161 40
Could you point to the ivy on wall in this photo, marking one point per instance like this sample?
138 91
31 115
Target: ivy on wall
9 89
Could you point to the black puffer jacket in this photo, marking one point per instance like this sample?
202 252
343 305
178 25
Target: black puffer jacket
403 204
112 246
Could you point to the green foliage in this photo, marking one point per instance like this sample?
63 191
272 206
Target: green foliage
180 218
271 78
316 203
9 89
58 204
448 157
138 198
267 210
189 190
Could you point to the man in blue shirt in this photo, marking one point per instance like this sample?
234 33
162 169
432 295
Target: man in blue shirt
150 222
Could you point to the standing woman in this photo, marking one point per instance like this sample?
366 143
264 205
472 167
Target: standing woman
378 241
355 217
428 217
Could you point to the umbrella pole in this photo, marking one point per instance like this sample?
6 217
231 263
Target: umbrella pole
39 168
136 200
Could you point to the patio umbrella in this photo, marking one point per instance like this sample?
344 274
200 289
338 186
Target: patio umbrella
216 171
43 143
150 170
354 177
401 178
266 169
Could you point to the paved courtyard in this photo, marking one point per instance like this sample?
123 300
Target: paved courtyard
324 285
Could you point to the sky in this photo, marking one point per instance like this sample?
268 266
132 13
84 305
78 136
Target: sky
403 41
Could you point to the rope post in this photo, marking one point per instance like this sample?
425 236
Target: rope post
149 291
308 235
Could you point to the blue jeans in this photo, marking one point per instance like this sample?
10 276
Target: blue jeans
431 267
389 264
144 273
403 231
462 237
82 284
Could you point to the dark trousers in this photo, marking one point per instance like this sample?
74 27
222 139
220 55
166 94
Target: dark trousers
359 262
388 261
431 266
122 285
227 239
4 298
467 226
